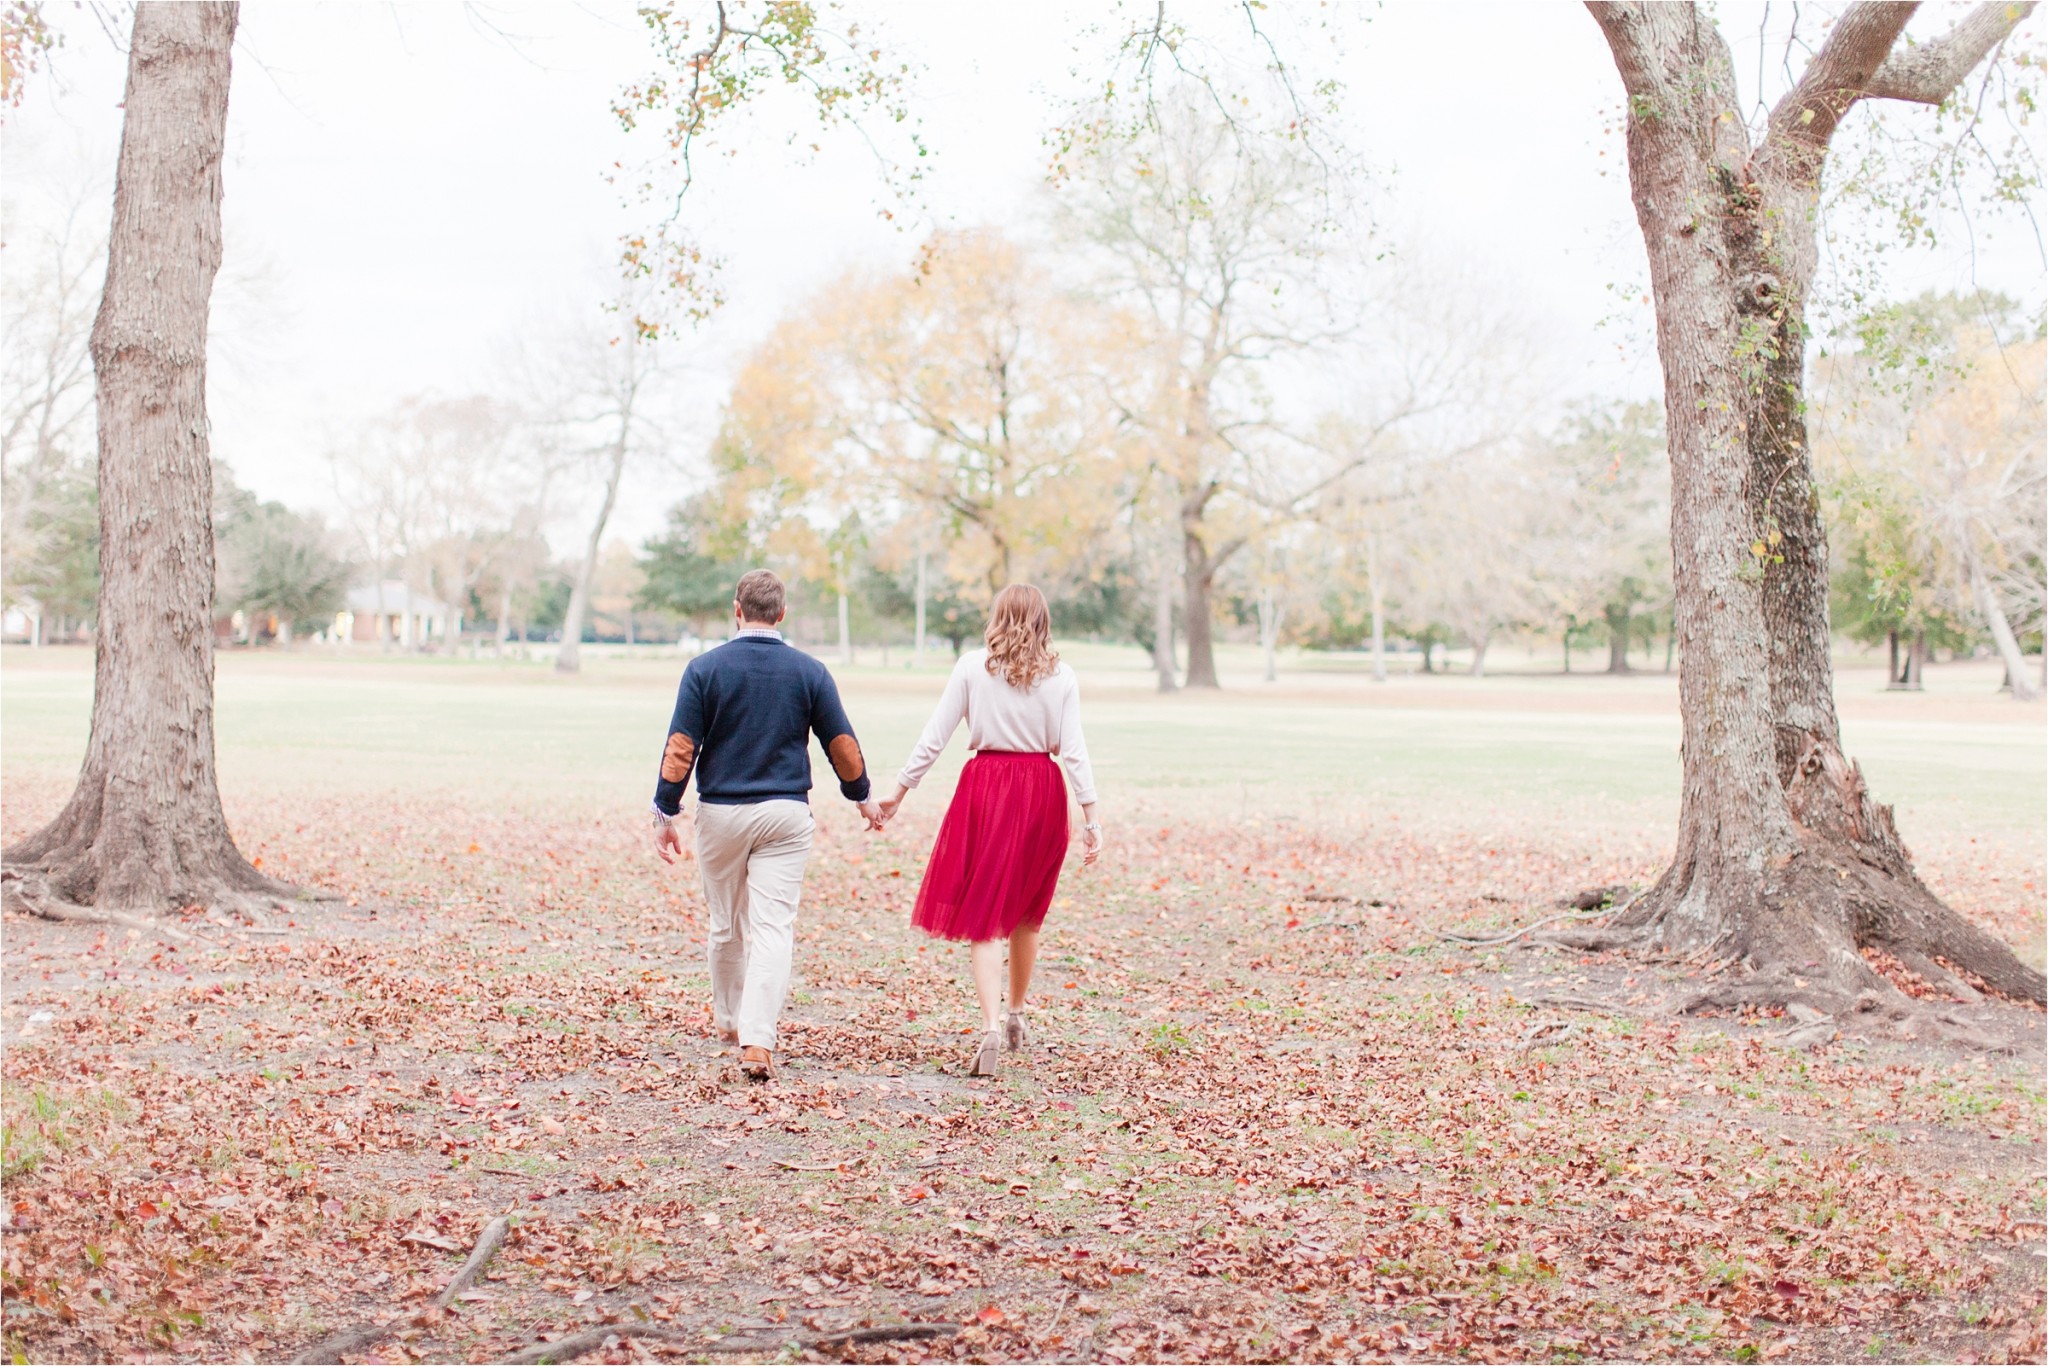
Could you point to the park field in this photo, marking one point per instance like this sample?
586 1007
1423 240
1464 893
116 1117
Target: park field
1268 1115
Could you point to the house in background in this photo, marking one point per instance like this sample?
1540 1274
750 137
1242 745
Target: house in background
391 611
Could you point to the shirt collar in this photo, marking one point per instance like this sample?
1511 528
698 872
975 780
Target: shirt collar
764 631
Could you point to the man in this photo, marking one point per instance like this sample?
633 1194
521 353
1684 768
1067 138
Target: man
742 720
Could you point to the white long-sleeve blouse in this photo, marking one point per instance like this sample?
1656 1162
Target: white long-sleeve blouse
1042 719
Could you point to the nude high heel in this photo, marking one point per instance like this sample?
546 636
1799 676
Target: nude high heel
987 1055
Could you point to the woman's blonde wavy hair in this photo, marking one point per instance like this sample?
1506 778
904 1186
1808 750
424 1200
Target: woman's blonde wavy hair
1019 637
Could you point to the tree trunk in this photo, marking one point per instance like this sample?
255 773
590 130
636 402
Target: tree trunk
1379 634
569 659
1269 631
1567 649
1162 626
1428 651
1784 863
918 657
504 617
1479 644
2001 632
1617 615
143 830
1198 583
845 625
1196 588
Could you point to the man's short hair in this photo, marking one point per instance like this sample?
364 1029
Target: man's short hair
760 596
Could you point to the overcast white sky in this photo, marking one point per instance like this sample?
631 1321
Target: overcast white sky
414 188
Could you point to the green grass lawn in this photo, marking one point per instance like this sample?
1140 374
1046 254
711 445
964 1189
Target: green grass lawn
1534 750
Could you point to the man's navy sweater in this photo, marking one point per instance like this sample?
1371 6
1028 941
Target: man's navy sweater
744 716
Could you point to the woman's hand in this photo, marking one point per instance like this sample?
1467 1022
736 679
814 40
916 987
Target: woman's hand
1091 836
889 807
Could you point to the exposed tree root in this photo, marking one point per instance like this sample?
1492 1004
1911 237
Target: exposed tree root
29 895
114 847
363 1335
68 891
580 1344
348 1341
1798 927
1888 1008
1471 941
487 1244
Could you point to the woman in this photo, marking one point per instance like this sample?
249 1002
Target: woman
997 858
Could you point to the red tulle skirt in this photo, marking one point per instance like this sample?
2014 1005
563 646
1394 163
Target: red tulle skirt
997 858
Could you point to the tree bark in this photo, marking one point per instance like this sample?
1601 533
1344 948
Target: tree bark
918 657
1379 635
1784 862
1199 566
1479 644
1269 631
569 659
143 830
1905 666
2001 633
1162 626
1617 615
1196 588
845 623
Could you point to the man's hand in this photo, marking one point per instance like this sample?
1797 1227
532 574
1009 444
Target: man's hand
889 807
668 838
871 811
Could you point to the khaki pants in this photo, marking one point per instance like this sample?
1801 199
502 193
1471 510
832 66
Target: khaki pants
752 860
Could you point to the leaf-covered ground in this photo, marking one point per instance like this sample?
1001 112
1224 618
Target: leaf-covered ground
1267 1115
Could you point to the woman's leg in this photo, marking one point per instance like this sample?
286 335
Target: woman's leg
1023 957
987 961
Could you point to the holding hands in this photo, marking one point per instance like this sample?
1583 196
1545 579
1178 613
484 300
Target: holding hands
879 814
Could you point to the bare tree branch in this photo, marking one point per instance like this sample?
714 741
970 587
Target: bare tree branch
1927 73
1837 77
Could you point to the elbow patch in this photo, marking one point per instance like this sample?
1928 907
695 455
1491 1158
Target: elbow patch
676 759
846 760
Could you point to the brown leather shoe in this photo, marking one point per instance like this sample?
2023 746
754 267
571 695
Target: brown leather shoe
756 1062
